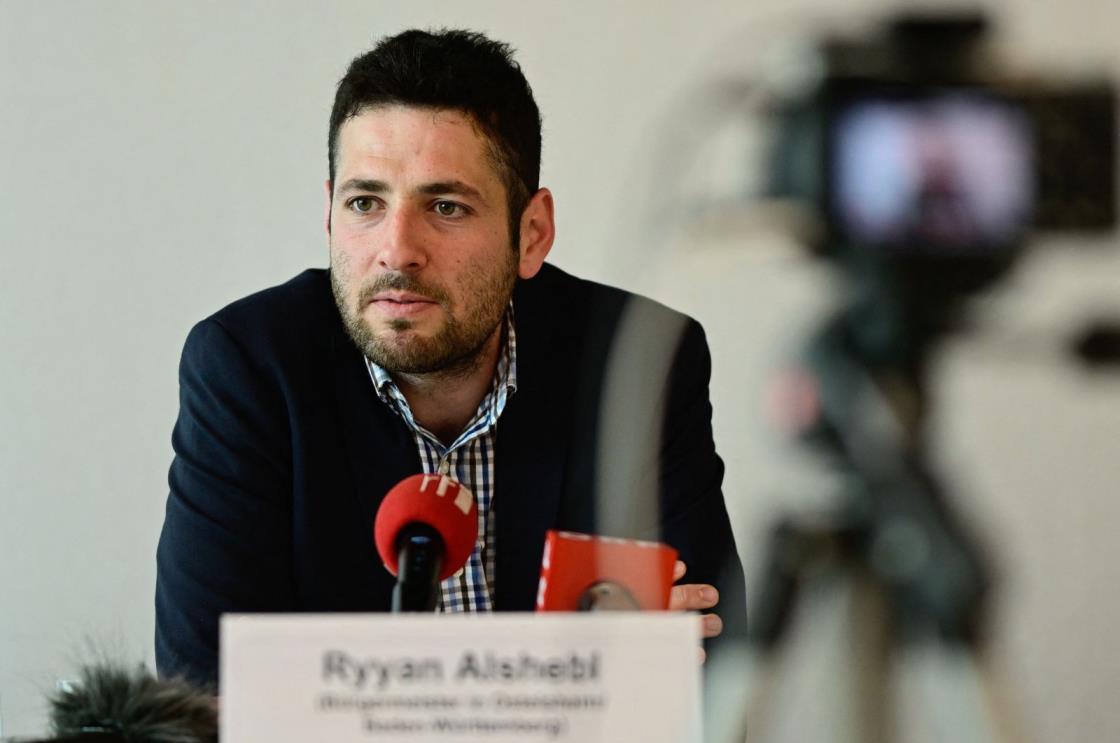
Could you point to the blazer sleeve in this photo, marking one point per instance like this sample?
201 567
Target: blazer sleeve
226 541
694 516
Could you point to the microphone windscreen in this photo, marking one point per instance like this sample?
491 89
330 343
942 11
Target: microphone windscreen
439 501
112 702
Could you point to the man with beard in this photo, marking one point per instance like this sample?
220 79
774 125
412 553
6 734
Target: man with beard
438 341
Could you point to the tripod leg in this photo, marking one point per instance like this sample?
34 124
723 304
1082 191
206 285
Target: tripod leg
967 703
1005 721
868 708
740 692
856 645
769 676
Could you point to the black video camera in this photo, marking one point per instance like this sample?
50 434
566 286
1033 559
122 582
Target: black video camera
916 154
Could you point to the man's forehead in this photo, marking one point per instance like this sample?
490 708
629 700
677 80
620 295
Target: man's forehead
445 143
435 113
385 126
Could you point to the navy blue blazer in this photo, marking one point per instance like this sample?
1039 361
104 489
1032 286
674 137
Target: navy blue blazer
283 452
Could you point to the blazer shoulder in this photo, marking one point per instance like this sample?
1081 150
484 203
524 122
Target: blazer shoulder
298 314
583 303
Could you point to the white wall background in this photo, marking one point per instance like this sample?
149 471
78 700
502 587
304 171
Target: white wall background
159 159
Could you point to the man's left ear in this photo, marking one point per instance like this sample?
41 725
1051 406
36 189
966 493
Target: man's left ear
538 230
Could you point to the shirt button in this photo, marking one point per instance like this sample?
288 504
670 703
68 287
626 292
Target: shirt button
444 467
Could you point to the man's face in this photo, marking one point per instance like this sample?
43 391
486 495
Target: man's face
422 265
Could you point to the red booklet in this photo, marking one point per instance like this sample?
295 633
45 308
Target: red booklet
581 572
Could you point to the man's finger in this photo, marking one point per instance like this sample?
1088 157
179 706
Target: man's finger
693 597
713 625
679 569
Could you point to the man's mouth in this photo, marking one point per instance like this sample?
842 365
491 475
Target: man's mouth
401 304
401 297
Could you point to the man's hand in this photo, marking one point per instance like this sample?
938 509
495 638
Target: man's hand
695 597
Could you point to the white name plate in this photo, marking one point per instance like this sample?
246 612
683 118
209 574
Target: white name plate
498 677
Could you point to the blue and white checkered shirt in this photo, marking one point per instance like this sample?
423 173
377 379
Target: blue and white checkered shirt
470 460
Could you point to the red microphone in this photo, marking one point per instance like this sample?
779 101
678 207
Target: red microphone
582 572
425 531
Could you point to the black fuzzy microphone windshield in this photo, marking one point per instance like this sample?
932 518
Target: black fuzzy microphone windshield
112 703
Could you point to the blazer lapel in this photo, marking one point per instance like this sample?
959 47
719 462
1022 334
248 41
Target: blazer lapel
529 481
379 448
532 453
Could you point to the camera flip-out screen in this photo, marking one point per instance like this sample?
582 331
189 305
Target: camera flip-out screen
945 171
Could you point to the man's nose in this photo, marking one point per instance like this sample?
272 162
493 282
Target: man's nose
402 244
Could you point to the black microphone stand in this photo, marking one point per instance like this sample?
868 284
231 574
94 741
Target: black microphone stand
420 551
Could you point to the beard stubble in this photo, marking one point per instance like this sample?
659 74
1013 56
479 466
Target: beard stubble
456 345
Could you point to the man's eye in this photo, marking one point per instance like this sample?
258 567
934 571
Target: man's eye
361 204
448 209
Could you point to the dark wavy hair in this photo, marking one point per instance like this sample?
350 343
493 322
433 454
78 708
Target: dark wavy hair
452 69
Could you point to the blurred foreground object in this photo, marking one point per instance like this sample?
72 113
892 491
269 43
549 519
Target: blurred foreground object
926 168
1098 345
112 703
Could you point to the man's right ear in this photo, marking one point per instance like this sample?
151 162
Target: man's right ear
538 230
327 192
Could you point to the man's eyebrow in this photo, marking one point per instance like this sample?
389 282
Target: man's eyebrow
364 184
451 187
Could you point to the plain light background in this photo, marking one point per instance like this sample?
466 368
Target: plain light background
159 160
